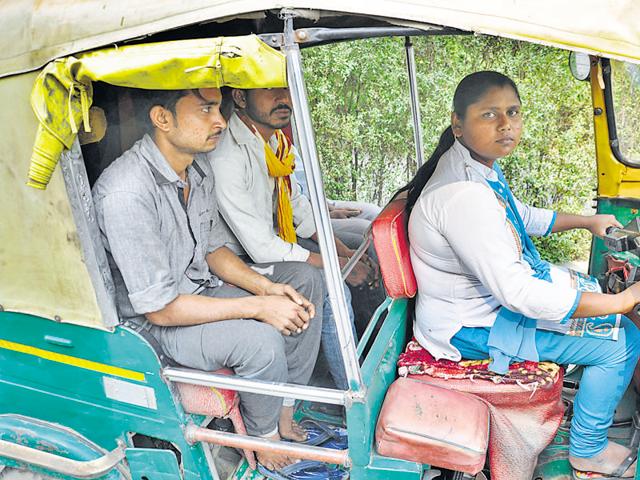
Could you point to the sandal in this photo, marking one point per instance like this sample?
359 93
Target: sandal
326 413
615 475
323 435
305 470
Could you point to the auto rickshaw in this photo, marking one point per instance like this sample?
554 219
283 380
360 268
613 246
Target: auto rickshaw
82 396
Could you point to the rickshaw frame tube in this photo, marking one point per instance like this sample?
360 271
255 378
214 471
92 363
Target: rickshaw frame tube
62 465
415 102
316 36
357 255
303 125
313 394
296 450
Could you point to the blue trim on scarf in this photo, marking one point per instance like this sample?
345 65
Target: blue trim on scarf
553 222
512 336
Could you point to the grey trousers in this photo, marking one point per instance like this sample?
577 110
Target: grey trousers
251 348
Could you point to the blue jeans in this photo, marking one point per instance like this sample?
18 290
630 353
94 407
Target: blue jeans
608 368
331 345
329 340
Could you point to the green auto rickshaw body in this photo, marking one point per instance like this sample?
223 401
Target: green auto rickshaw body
76 384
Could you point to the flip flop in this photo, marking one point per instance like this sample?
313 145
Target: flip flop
320 434
331 414
615 475
305 470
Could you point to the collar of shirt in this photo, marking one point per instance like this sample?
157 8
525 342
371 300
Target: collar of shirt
244 134
463 154
240 132
162 171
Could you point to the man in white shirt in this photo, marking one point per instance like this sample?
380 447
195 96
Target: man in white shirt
252 201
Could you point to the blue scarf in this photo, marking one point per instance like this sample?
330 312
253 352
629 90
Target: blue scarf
513 335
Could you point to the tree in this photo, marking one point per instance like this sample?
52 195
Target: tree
359 99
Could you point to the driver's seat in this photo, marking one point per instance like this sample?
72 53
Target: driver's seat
524 417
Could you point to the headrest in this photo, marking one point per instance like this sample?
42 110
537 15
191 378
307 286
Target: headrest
98 122
390 239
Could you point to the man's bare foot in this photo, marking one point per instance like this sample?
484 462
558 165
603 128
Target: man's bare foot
288 428
606 461
274 461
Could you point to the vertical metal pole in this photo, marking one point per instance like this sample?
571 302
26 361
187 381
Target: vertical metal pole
415 104
324 230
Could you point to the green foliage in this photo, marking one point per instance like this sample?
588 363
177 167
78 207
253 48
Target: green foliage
360 105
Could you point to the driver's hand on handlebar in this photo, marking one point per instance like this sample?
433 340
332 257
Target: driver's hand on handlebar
598 224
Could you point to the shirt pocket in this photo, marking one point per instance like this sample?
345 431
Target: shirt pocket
205 230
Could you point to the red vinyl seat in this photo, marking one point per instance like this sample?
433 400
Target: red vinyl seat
433 425
215 402
389 231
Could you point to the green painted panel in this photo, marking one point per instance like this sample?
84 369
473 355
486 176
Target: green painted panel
553 462
102 385
379 371
151 464
382 468
52 439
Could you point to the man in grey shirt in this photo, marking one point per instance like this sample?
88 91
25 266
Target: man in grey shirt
157 212
250 199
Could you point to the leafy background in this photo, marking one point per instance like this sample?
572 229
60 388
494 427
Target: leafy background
359 99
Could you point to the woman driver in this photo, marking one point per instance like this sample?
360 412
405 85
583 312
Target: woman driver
483 289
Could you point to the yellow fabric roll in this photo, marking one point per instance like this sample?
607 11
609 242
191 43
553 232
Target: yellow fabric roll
281 164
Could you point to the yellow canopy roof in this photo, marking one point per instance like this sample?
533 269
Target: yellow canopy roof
35 32
62 93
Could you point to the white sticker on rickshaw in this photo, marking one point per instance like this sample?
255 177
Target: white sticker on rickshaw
129 393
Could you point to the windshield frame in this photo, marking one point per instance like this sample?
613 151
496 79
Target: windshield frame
614 141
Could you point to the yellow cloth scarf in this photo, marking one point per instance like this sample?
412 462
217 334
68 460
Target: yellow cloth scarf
281 164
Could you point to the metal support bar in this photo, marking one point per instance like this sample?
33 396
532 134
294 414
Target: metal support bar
357 255
308 37
64 466
302 392
195 434
83 210
335 285
415 103
372 324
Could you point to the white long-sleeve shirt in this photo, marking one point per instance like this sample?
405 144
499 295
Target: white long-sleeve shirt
245 193
467 258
